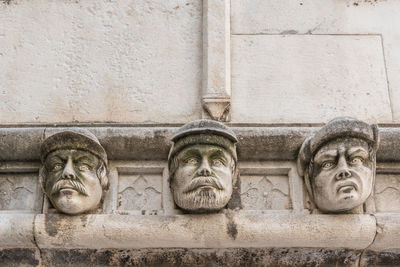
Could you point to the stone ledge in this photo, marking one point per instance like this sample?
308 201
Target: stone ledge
229 230
152 142
16 231
388 232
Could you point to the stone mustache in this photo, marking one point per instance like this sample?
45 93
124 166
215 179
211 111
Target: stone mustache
202 166
338 164
74 171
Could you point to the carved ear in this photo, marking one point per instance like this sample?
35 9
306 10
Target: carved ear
42 175
304 157
102 175
377 138
303 163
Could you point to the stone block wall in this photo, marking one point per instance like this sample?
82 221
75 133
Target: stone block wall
132 72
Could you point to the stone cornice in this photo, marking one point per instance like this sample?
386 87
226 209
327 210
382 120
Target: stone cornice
152 141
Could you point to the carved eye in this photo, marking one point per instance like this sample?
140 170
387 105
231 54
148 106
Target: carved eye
192 161
57 167
356 161
217 162
84 167
328 164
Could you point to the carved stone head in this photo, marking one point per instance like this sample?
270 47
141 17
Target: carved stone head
202 165
74 171
338 164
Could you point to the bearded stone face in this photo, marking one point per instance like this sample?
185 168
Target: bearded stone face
343 175
71 180
203 179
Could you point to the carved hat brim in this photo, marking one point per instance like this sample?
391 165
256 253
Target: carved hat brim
204 127
204 132
341 127
75 138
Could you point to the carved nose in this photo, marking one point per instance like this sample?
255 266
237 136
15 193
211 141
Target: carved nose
68 172
343 174
344 171
204 168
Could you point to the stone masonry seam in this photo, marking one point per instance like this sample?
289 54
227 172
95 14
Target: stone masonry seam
35 241
387 77
373 240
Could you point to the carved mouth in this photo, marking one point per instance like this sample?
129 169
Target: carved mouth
347 187
68 187
203 183
203 186
206 186
67 190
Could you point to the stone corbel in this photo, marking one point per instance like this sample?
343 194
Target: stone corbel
216 97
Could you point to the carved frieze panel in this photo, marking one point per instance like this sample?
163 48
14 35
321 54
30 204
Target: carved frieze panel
265 192
387 193
139 191
387 188
270 186
137 188
19 188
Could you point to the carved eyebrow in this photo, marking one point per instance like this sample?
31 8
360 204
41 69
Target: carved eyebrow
82 158
190 153
357 151
217 153
330 154
56 158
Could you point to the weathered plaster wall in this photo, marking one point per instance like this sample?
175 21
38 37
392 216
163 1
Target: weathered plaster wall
100 61
313 60
157 61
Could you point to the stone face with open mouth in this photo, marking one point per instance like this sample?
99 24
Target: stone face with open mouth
338 164
344 163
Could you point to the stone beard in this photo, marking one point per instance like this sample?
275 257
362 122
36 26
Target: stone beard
202 180
72 180
342 174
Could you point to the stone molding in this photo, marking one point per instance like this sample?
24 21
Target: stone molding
224 230
138 154
152 141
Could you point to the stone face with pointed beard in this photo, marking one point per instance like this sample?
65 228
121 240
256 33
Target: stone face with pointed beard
202 166
74 171
203 180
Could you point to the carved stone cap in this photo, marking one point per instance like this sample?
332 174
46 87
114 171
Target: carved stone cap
75 138
204 132
343 127
204 127
336 128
